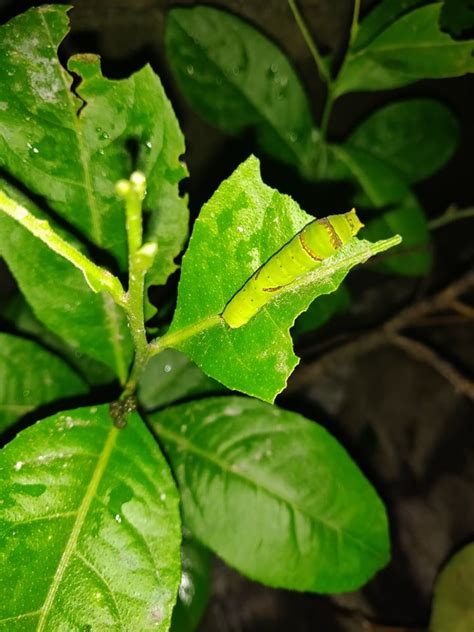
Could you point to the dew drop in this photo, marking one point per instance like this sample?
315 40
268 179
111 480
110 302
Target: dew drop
118 518
162 496
167 368
183 428
18 465
148 144
190 69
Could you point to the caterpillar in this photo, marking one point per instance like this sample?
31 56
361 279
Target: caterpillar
317 241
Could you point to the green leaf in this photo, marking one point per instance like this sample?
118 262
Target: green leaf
381 187
274 494
19 314
90 323
89 525
457 17
71 146
416 137
410 49
381 17
322 310
242 225
194 589
453 603
236 78
31 376
171 376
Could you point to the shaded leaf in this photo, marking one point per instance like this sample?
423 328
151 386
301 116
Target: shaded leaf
274 495
60 297
453 603
416 137
243 224
19 314
322 310
89 525
171 376
236 78
410 49
72 146
31 376
194 589
457 17
380 187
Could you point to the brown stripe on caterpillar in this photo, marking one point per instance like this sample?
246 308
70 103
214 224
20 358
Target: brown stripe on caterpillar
274 289
307 249
333 236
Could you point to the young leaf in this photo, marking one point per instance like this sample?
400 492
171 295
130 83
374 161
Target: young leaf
381 187
274 494
410 49
236 78
193 593
31 376
89 525
416 137
242 225
171 376
453 603
60 297
72 146
18 313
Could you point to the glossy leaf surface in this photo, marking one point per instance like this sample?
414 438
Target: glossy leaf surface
194 589
242 225
453 603
274 494
171 376
71 146
31 376
416 137
236 78
409 49
89 525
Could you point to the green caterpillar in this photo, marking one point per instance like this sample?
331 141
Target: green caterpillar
317 241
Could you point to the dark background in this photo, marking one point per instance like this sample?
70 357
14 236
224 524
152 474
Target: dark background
411 433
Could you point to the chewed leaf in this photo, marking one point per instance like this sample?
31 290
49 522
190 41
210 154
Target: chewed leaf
242 226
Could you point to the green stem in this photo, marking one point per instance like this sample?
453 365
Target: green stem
355 23
323 71
140 258
97 278
327 112
452 214
174 338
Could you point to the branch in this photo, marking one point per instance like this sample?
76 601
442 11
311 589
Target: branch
451 214
389 333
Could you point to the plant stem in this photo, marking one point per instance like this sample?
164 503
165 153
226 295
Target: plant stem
140 258
355 23
323 71
451 214
97 278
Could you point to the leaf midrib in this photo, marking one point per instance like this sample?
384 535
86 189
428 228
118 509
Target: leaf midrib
81 516
211 458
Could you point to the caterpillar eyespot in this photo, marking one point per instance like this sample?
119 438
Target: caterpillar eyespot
303 253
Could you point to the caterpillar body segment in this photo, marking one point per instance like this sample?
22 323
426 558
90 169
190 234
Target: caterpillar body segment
305 252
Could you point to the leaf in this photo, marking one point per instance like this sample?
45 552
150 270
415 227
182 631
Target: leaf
171 376
31 376
71 146
274 495
242 225
194 589
236 78
90 323
415 136
457 17
18 313
410 49
381 17
380 187
453 603
322 310
90 527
